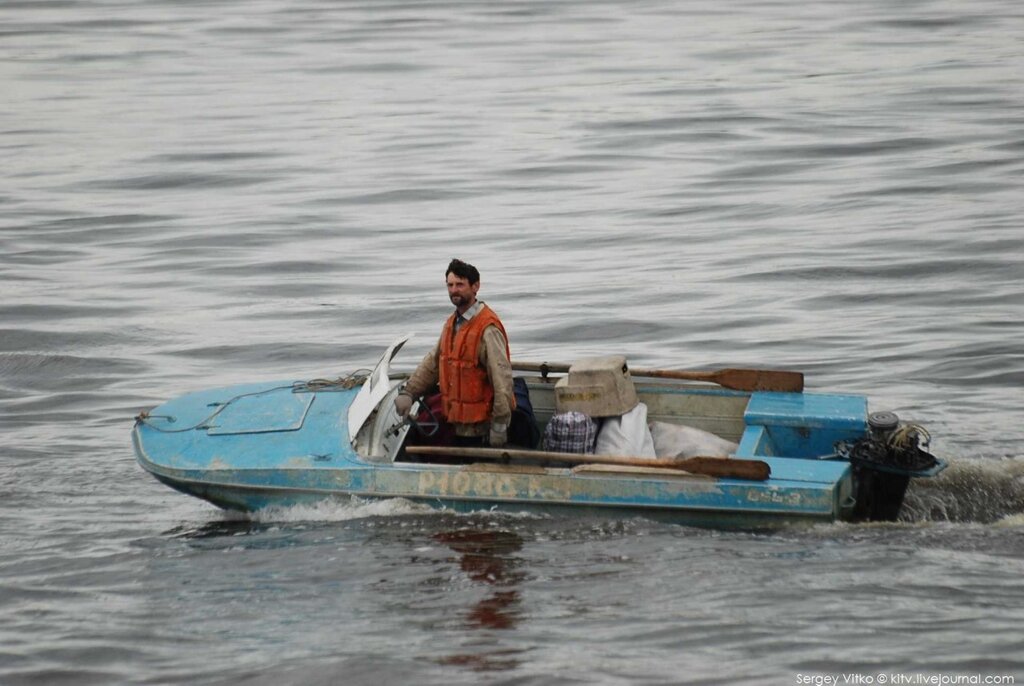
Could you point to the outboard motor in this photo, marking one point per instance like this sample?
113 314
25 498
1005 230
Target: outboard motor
883 462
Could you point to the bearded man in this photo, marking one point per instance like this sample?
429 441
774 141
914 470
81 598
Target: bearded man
470 364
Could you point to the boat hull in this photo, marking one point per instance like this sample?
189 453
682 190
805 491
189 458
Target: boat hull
256 481
223 492
251 447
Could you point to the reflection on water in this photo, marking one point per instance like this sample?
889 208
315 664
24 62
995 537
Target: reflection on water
486 557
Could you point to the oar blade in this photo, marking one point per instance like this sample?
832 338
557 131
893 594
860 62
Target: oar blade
727 468
759 380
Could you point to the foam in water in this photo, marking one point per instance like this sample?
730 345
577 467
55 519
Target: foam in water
341 510
982 491
337 510
1011 521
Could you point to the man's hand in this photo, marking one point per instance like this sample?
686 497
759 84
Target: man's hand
499 435
403 403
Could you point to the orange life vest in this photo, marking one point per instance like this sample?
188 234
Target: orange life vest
466 391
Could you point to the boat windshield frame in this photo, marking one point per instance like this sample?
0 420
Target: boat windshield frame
376 387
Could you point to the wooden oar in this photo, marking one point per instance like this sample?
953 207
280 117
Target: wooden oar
719 467
735 379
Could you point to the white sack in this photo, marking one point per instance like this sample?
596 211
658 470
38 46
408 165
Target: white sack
626 436
674 440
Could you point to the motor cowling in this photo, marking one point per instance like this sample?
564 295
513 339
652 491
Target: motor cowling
891 446
883 461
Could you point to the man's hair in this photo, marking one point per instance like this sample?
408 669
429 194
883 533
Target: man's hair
463 270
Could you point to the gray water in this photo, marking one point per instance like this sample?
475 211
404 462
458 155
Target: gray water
195 193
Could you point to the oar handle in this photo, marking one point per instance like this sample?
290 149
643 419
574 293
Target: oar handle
542 367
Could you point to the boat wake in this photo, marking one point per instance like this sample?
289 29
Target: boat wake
977 491
340 510
343 510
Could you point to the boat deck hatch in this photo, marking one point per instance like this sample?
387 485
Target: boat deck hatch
819 411
279 410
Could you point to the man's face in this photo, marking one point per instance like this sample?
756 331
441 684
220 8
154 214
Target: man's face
461 292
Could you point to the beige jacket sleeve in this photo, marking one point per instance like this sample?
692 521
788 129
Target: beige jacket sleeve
499 370
424 375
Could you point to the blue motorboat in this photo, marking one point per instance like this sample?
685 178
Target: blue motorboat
816 457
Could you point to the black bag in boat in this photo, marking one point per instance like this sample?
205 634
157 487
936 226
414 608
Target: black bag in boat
522 429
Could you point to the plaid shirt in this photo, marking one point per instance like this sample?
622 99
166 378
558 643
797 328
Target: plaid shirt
571 432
